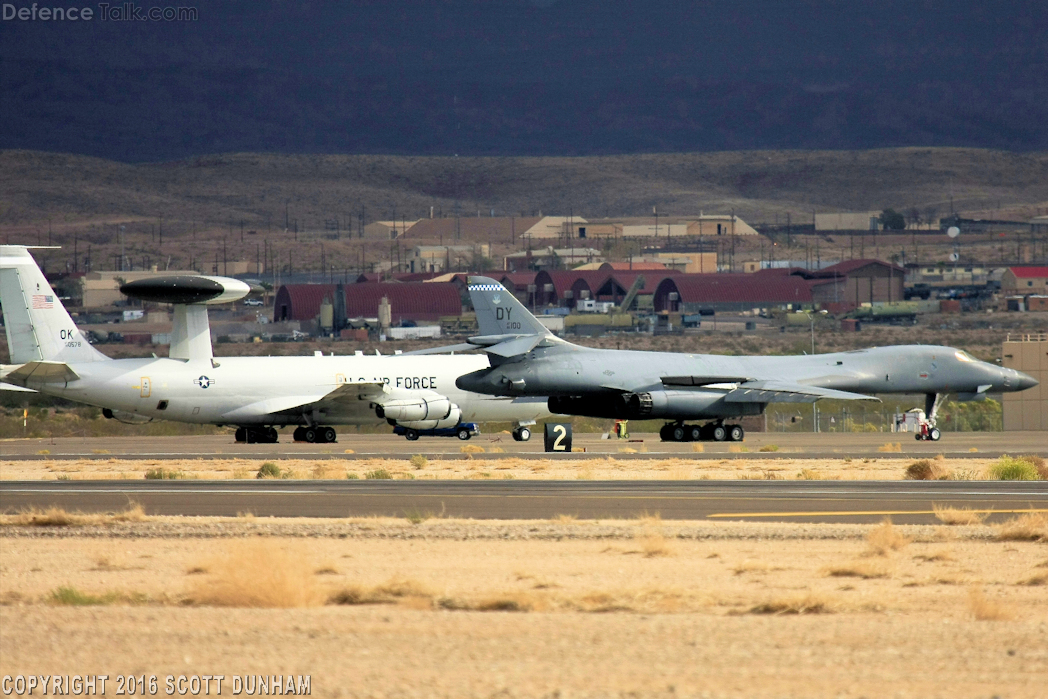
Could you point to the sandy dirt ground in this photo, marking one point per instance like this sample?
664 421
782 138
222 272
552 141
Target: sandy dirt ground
453 608
605 468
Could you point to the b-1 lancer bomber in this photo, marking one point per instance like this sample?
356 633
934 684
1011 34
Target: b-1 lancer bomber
528 360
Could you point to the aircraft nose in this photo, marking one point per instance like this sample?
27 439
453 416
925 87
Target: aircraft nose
1024 381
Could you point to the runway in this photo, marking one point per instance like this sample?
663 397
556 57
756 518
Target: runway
780 501
955 445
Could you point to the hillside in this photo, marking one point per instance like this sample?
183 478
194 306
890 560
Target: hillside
232 206
759 185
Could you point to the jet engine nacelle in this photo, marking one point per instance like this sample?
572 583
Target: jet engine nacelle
453 418
677 405
416 406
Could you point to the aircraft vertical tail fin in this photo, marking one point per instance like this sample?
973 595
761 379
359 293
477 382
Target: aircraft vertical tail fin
38 326
498 310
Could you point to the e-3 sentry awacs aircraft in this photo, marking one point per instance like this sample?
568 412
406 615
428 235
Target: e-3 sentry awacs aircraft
257 394
527 360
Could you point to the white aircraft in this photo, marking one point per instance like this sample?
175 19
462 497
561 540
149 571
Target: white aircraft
49 354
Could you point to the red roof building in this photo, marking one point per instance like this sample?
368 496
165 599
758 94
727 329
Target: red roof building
408 301
1024 280
691 293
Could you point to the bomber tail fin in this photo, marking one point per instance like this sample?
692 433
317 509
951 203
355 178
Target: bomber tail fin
38 326
499 312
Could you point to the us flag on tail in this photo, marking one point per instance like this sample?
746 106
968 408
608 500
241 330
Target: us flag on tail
43 301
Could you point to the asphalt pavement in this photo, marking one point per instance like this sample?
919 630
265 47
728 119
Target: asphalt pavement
786 445
780 501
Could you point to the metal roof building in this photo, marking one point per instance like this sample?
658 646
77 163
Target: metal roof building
691 293
408 301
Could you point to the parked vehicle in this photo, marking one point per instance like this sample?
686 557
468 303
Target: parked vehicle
463 430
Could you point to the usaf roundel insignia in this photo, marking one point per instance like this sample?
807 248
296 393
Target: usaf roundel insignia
204 382
496 299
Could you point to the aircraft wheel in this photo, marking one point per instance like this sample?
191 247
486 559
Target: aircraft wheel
329 434
736 433
720 433
272 436
241 435
679 434
935 434
463 434
694 433
299 434
310 435
522 434
666 433
410 435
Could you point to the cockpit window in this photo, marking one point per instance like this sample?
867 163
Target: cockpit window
963 356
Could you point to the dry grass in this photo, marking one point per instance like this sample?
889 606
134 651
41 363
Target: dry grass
643 600
884 539
503 602
654 545
1039 465
257 574
1036 579
810 603
471 449
1031 526
751 567
985 609
59 517
806 474
927 470
890 448
107 564
396 591
940 555
866 569
958 515
698 448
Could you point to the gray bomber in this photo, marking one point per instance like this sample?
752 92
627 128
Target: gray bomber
527 360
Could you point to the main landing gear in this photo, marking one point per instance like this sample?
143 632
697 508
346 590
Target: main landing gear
521 434
257 435
315 435
710 432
